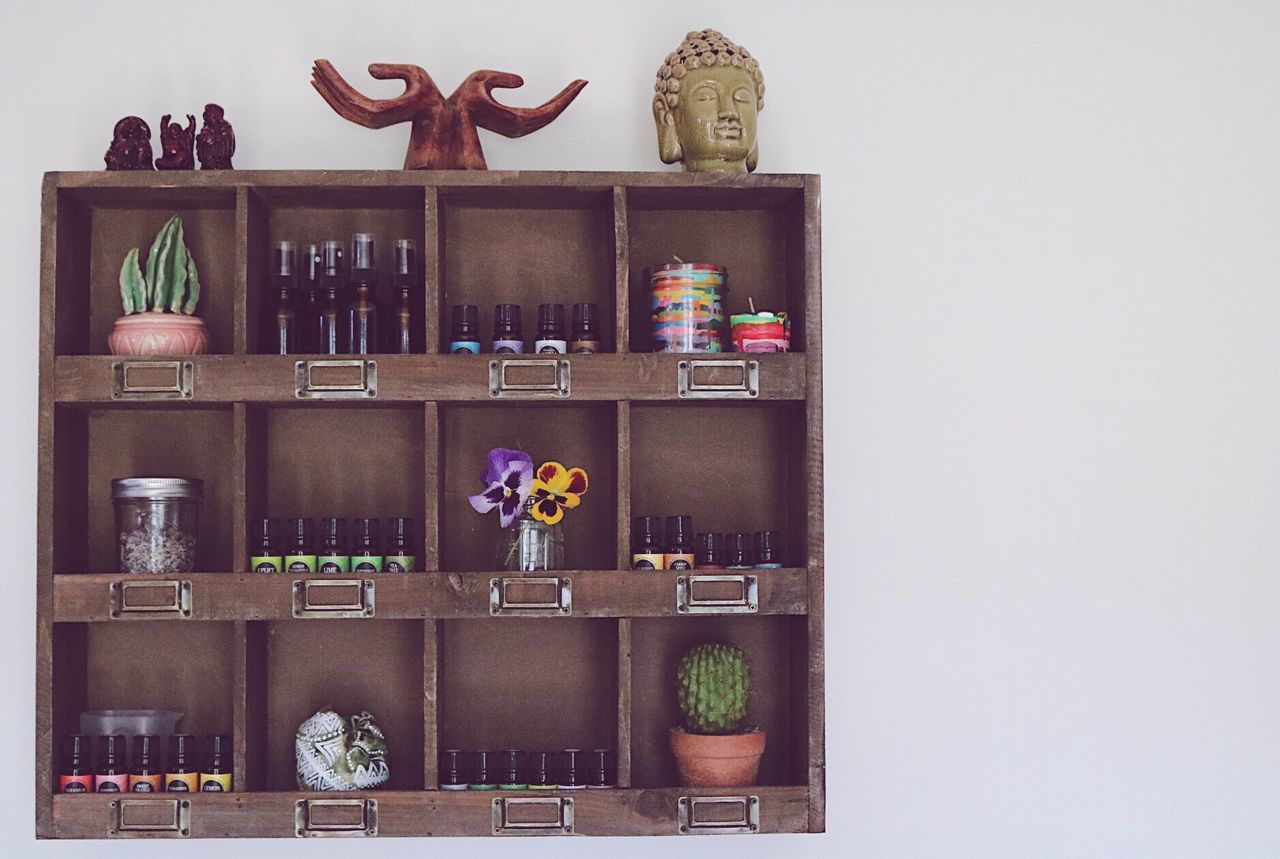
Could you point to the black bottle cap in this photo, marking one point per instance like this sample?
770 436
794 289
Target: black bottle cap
452 767
111 748
509 766
679 530
180 748
145 748
364 532
333 531
600 768
283 262
311 264
550 319
768 545
400 530
267 532
708 549
466 319
586 317
406 261
738 550
77 747
481 767
216 748
361 263
331 258
571 762
647 531
506 318
300 531
539 768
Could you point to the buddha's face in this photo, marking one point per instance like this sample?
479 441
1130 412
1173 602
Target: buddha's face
714 123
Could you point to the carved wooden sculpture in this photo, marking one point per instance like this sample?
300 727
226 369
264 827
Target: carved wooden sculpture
444 133
130 145
216 142
177 143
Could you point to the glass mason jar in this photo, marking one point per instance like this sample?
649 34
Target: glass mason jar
157 520
529 545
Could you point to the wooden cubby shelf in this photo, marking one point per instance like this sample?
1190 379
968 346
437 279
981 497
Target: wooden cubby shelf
455 655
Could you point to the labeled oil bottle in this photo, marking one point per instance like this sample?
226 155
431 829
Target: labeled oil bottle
308 303
267 557
364 547
146 777
283 328
399 557
464 335
646 543
363 312
112 775
215 773
551 340
586 329
508 336
330 318
332 556
76 775
406 331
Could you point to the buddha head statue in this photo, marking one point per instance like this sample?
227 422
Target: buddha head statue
707 96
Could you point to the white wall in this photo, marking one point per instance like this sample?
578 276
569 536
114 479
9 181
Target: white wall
1052 296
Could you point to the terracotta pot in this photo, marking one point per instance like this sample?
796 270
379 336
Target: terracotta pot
717 760
158 333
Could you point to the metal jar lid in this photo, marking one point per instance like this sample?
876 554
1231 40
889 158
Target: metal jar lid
674 267
156 488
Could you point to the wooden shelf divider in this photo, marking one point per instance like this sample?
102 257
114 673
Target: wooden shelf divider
623 752
430 703
622 271
433 272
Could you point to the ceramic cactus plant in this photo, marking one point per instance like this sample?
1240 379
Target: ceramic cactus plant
171 282
714 682
159 307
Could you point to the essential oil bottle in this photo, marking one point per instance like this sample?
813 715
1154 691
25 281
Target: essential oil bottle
679 552
511 770
571 775
76 775
453 771
308 303
333 557
464 335
399 557
283 326
738 552
508 335
646 543
768 545
146 776
300 553
363 312
112 775
482 775
267 557
180 773
708 551
215 773
600 769
586 329
405 333
551 339
365 557
540 771
330 316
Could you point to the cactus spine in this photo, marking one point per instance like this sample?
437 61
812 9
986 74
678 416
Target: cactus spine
714 682
171 282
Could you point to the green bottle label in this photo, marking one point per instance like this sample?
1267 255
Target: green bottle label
267 563
399 563
334 564
300 563
366 563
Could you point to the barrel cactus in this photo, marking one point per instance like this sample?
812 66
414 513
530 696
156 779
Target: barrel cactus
714 682
171 282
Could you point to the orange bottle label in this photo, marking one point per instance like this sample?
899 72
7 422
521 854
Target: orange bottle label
153 783
182 782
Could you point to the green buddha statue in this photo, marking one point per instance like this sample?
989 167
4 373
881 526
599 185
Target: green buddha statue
708 95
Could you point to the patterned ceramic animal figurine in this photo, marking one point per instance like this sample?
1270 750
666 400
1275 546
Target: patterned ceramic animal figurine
334 754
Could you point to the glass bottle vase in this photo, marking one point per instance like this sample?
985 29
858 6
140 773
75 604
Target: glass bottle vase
529 545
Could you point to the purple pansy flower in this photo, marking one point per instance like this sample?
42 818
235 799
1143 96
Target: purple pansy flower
510 479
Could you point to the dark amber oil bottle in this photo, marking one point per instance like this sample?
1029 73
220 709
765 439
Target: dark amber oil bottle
464 335
708 551
308 301
551 339
363 313
405 336
146 777
679 553
586 329
300 554
332 556
181 774
399 557
364 547
329 310
283 327
508 333
267 557
215 773
112 775
76 775
646 543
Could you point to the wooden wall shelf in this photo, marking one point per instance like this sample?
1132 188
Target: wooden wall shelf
588 663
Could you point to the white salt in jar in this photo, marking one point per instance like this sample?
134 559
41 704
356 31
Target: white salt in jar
157 520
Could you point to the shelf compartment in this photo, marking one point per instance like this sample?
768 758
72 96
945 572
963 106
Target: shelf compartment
251 596
759 238
575 435
413 378
94 446
94 232
527 246
432 812
731 466
351 666
162 665
528 684
311 216
331 459
775 648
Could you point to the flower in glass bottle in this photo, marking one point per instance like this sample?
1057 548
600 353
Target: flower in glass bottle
509 478
556 489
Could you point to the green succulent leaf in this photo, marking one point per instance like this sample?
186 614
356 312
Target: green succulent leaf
162 286
153 299
193 286
176 272
132 287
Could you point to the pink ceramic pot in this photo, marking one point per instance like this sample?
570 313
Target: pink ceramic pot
158 333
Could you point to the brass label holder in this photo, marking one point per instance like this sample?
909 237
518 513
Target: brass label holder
343 379
718 379
529 378
333 598
530 596
152 380
335 818
158 599
718 815
149 818
728 594
533 815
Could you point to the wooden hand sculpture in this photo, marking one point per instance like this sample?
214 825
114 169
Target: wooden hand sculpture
444 133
